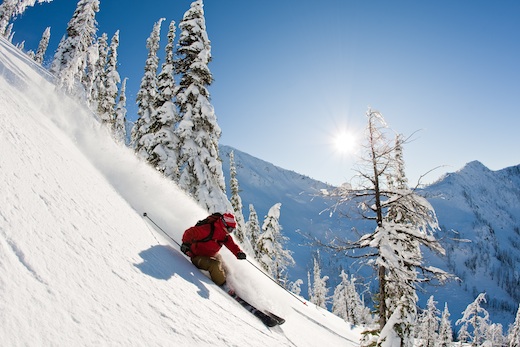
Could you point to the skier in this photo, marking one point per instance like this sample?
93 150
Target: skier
203 241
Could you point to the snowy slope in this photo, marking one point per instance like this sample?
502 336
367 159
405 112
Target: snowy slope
78 264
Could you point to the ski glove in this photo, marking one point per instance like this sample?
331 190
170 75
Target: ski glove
185 248
241 255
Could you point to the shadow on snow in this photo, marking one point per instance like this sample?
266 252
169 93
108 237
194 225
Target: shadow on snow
162 262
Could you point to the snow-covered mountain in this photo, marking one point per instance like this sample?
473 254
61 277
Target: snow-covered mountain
79 266
478 211
479 214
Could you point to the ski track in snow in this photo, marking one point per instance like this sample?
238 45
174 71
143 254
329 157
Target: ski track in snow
78 264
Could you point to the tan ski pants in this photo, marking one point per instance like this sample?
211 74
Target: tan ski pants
213 265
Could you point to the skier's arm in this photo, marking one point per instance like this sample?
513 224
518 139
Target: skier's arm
233 247
187 237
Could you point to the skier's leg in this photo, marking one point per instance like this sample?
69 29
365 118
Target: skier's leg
213 265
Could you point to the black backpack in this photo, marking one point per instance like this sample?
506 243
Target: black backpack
209 219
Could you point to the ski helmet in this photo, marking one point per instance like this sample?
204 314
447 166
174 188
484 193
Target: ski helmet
229 220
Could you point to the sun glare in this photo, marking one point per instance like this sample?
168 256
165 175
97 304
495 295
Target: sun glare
345 142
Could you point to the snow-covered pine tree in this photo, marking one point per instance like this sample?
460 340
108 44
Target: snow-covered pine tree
265 242
319 292
142 132
495 336
70 58
513 337
112 79
236 202
309 286
369 197
409 223
199 163
42 46
477 318
90 75
404 221
253 230
445 331
428 325
31 54
94 80
7 11
295 287
163 143
9 33
347 304
341 304
120 122
100 82
273 257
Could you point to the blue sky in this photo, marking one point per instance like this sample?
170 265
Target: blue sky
292 74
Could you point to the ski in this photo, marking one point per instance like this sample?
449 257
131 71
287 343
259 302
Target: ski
266 317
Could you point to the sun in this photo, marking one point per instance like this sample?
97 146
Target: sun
345 142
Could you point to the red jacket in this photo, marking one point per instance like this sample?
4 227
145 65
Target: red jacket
196 235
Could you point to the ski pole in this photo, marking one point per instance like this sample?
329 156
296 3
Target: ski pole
158 227
266 275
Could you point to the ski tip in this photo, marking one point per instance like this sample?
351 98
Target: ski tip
272 321
277 320
145 214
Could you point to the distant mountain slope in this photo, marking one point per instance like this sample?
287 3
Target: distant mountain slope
481 206
476 205
264 184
